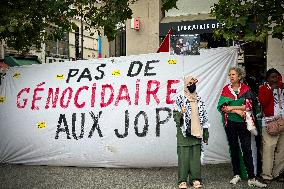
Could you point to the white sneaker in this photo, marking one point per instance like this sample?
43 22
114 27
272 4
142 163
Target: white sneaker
236 179
256 183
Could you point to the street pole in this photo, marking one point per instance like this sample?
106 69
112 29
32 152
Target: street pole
82 36
99 45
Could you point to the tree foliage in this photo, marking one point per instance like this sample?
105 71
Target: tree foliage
251 20
23 23
169 4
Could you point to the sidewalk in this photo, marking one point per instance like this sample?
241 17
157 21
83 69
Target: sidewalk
33 177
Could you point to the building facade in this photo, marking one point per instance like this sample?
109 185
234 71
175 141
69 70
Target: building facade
192 16
65 48
70 47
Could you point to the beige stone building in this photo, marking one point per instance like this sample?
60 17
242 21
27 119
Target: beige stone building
192 16
65 49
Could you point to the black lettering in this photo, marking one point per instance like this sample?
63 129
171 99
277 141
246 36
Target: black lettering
82 126
88 75
130 74
126 127
96 124
62 119
147 68
101 71
71 74
158 118
145 128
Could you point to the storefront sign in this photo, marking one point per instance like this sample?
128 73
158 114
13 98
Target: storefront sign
190 27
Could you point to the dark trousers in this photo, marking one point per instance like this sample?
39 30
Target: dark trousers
235 131
258 139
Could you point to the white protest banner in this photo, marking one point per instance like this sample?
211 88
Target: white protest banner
114 112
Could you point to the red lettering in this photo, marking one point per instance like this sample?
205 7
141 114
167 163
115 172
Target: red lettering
93 95
77 96
35 97
125 97
50 96
25 100
104 87
170 91
152 92
70 91
137 92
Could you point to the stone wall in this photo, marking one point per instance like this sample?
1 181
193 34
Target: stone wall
146 39
275 54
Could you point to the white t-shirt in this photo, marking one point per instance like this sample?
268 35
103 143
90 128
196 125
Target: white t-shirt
277 110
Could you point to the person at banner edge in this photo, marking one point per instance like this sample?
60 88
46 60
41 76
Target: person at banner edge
237 98
272 106
192 128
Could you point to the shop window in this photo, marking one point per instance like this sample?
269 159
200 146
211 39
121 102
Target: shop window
57 48
207 41
118 45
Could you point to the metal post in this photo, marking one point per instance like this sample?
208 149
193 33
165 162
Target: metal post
2 49
57 47
99 45
82 36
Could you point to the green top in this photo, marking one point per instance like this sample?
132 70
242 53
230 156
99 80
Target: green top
233 116
188 140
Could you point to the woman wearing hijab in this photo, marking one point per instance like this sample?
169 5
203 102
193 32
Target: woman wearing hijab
192 126
235 104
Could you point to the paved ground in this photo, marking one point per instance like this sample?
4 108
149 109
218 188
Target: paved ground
31 177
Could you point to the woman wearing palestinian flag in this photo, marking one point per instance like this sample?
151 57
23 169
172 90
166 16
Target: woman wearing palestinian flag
235 105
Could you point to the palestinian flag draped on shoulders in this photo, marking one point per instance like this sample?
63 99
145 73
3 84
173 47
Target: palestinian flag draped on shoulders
228 95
